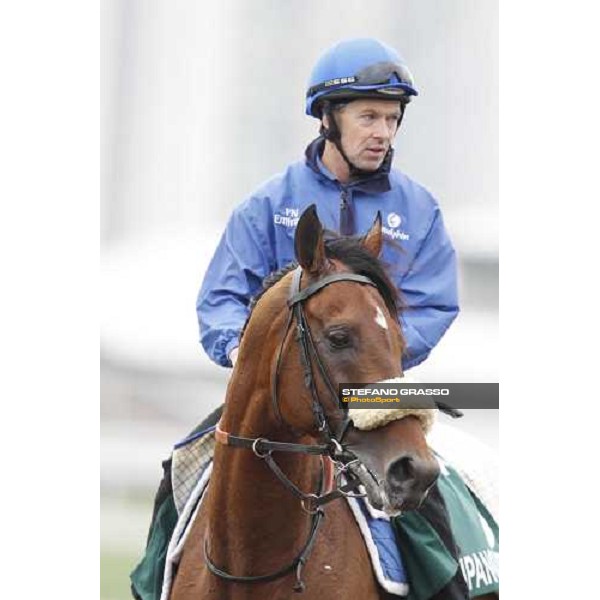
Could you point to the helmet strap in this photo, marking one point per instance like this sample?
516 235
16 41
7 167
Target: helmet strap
403 106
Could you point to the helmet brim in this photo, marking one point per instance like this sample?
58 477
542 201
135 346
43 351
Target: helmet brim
398 93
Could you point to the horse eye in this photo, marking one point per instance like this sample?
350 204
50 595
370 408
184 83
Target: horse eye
338 339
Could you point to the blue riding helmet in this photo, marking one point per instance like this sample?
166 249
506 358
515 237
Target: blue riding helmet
358 68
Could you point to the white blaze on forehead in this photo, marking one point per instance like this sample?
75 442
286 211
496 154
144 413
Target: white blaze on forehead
380 319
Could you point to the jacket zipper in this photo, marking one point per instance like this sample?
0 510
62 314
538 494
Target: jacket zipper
344 211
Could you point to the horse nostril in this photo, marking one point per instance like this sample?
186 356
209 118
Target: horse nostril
402 470
410 471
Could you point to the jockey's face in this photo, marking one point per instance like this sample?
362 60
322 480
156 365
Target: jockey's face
368 128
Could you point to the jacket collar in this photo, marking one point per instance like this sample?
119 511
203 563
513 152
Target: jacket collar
376 183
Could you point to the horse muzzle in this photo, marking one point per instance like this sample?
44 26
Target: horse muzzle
408 480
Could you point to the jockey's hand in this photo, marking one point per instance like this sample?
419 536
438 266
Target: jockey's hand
233 356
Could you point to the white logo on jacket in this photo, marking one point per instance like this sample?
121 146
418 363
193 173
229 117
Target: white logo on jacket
394 220
289 218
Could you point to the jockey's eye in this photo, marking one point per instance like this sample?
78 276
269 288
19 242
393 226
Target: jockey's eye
338 339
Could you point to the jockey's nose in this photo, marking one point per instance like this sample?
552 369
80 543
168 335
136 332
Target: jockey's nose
380 131
409 477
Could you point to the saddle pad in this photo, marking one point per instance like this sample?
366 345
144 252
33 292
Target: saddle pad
182 530
382 546
190 458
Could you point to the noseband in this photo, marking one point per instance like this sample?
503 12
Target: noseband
332 447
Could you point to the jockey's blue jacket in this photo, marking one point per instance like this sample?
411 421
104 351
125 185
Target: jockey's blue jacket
259 239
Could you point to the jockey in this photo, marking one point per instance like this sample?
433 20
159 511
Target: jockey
359 91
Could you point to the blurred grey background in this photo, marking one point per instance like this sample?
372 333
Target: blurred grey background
200 104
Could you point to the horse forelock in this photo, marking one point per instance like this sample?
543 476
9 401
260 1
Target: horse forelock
352 254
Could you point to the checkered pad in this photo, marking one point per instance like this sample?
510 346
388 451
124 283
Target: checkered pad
190 459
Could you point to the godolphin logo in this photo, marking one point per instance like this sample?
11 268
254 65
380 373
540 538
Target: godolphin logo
394 220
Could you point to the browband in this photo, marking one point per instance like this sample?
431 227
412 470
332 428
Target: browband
297 295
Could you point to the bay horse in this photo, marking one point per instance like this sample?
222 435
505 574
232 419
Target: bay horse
260 531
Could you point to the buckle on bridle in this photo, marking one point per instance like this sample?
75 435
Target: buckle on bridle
310 499
255 448
336 450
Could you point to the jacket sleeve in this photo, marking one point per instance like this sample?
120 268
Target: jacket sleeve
429 291
234 275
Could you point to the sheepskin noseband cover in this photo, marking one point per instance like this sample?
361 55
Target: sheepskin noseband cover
372 418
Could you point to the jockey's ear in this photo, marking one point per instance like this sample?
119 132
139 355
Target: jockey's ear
308 242
373 240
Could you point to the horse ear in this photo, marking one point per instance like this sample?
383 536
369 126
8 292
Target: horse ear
373 241
308 241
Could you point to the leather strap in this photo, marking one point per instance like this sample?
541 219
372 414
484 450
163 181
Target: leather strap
297 295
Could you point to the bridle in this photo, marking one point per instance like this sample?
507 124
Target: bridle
346 464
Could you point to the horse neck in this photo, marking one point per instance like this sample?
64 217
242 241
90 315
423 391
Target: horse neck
256 523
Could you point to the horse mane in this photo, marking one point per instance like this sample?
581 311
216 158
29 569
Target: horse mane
350 252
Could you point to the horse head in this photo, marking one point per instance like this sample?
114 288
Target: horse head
346 330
